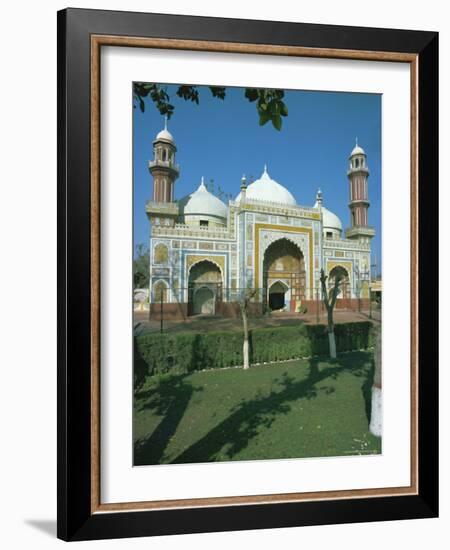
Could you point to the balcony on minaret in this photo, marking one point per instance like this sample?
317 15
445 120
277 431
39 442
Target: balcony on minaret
167 165
162 208
358 166
360 231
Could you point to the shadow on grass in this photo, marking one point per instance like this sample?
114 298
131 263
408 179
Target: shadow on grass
169 399
366 388
234 433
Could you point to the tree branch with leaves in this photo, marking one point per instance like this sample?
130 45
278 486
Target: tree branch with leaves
269 102
141 270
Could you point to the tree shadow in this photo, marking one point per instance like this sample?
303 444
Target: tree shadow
366 389
235 432
169 398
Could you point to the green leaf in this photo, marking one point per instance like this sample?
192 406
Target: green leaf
277 122
263 118
274 107
284 109
251 94
218 91
141 104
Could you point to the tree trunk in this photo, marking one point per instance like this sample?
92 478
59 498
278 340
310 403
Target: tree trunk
246 355
245 347
376 414
332 342
331 337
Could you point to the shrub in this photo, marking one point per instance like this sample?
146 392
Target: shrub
185 352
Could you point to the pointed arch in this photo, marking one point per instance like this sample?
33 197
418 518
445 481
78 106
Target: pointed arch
160 290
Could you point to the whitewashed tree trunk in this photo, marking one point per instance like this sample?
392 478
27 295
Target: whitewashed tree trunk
245 347
376 414
332 343
245 353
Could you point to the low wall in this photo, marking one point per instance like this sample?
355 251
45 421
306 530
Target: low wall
179 311
170 312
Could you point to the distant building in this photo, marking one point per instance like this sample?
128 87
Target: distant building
205 253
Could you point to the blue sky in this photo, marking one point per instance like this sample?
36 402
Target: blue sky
222 140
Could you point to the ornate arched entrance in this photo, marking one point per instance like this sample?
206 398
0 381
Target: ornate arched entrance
205 288
284 276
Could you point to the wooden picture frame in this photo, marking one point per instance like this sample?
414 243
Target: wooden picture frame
81 35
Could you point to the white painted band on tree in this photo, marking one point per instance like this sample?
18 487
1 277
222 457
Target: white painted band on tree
376 418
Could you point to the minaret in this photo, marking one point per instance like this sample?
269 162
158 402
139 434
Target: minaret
162 210
163 167
358 174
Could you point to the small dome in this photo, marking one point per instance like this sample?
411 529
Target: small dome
202 203
268 190
165 134
330 220
357 150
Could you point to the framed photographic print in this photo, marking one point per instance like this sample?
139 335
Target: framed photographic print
247 274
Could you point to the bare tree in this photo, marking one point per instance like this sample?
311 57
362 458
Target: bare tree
244 302
329 299
376 416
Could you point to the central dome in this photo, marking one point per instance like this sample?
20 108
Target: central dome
268 190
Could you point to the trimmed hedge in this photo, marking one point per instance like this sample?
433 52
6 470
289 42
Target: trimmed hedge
185 352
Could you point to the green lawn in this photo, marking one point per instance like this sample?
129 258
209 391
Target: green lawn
305 408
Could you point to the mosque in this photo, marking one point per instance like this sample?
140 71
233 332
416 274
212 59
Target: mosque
205 254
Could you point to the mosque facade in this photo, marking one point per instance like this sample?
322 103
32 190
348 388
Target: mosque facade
205 255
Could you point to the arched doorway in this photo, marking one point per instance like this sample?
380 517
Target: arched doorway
284 276
277 296
203 301
205 288
344 282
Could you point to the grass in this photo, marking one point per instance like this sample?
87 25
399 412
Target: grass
306 408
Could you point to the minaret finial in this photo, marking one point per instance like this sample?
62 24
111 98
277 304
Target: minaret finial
265 169
165 122
356 140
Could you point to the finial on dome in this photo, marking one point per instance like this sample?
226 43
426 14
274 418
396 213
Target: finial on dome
356 141
202 184
319 196
165 123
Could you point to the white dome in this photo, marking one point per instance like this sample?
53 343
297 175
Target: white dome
330 220
268 190
202 202
165 135
357 150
